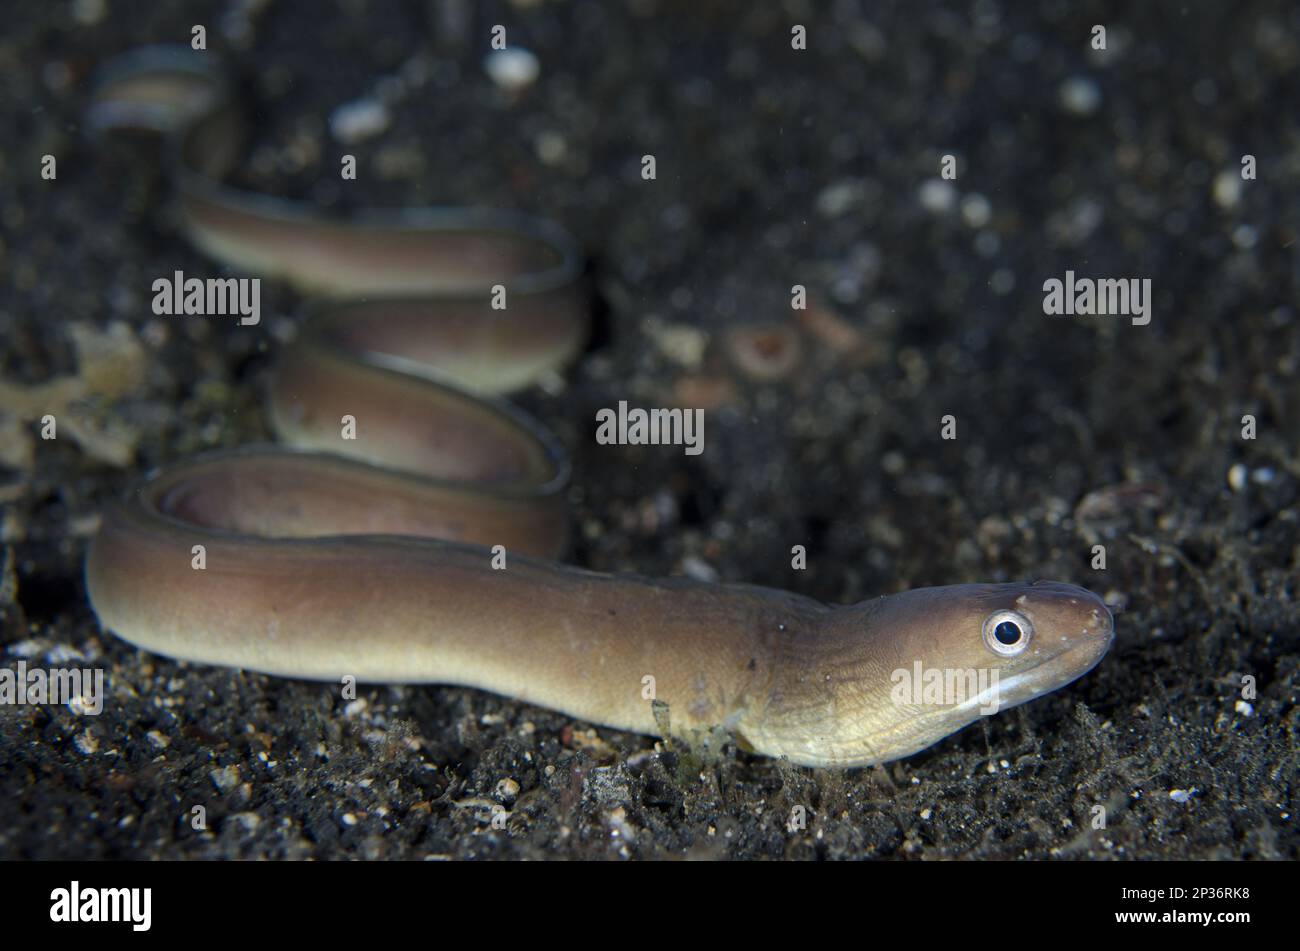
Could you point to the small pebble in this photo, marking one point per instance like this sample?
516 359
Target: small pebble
699 569
1002 282
551 147
1227 189
359 120
1080 96
937 196
61 655
513 69
680 342
89 12
839 198
976 210
226 778
249 821
1237 477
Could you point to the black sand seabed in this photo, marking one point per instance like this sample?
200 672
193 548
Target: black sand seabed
775 167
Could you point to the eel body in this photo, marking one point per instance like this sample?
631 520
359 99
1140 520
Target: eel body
422 546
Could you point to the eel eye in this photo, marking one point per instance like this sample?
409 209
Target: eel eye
1007 633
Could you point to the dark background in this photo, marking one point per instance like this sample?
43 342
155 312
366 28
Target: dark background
775 167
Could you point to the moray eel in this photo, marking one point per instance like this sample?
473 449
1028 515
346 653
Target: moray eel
425 550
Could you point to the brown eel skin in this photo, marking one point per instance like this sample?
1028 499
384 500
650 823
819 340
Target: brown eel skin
424 549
